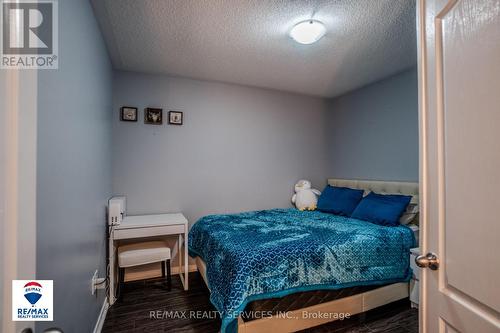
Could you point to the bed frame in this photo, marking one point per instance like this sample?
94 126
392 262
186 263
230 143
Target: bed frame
352 304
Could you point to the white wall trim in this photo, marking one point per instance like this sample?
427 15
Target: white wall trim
102 316
18 142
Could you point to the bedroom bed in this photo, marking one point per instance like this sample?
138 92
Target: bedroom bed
278 270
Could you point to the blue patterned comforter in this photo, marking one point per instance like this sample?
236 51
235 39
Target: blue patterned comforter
273 253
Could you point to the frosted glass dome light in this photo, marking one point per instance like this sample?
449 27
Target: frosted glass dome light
308 32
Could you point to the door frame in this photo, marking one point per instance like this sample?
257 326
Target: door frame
18 149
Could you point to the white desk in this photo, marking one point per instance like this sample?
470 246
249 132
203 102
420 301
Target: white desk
149 226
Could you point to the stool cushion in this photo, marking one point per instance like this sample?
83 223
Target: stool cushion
142 253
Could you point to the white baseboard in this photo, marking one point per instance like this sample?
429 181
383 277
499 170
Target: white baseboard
102 316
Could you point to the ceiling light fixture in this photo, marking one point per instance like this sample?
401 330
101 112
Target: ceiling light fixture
308 32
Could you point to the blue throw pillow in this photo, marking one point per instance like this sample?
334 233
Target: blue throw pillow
339 200
382 209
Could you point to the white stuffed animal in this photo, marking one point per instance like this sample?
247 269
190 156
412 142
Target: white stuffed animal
305 196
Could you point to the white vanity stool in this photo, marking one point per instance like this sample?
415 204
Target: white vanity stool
143 253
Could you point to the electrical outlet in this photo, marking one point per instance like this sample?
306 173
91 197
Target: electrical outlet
97 283
93 285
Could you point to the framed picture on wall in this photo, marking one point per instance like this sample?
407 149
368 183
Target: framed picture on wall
175 117
128 113
153 116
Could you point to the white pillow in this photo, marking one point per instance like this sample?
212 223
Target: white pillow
409 215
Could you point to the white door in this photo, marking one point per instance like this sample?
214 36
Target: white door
459 88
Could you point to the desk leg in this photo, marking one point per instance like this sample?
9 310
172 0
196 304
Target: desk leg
186 262
111 262
183 262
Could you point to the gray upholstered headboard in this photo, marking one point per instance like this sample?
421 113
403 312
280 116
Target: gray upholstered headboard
384 187
378 186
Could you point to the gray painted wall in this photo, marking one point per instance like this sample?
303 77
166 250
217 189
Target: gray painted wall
373 131
74 168
239 149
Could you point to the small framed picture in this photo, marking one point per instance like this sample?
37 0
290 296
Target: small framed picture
153 116
128 113
175 117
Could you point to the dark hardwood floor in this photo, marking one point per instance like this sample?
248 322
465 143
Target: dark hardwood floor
145 302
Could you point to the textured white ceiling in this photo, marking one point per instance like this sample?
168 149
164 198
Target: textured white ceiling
247 41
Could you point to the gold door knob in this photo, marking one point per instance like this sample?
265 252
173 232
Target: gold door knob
429 260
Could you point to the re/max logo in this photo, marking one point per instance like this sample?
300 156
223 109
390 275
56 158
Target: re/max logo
32 300
32 311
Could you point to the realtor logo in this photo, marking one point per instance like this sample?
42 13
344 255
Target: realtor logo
32 300
29 37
